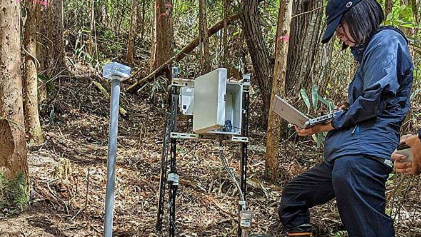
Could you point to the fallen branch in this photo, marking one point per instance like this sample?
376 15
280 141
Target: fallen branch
185 51
104 92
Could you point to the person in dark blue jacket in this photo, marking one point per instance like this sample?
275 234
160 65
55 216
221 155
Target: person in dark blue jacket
361 139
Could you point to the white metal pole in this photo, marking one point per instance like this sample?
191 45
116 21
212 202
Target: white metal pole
112 152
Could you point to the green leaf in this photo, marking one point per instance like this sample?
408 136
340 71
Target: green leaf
315 96
328 103
304 96
319 139
42 78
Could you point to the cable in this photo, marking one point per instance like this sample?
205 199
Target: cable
231 174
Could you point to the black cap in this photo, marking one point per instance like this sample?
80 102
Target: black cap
335 10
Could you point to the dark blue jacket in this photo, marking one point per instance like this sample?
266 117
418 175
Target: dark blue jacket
378 97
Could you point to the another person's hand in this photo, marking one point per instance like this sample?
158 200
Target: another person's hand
303 132
342 106
400 161
415 144
401 164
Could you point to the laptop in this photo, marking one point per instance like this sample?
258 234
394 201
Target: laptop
296 117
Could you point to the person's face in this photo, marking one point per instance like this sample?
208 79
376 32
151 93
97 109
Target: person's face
342 32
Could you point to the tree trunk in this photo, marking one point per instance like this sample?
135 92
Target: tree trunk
42 50
278 88
169 11
141 17
415 11
225 36
13 153
91 33
388 7
32 124
306 32
259 54
205 66
104 15
153 36
161 46
132 34
56 62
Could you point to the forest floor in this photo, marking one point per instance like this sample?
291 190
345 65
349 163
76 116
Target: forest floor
68 175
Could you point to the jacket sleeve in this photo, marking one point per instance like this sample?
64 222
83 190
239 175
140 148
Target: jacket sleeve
379 73
419 134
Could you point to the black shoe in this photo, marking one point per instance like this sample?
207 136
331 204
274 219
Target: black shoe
303 230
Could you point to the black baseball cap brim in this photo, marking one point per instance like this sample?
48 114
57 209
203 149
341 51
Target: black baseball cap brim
331 28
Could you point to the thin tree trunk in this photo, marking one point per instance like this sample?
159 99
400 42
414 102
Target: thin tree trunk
153 37
278 88
42 50
104 15
13 153
162 48
415 11
32 123
132 34
141 18
92 22
170 44
259 54
56 62
388 6
225 36
204 39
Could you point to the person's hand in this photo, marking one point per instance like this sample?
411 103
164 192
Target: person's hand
400 162
415 144
342 106
303 132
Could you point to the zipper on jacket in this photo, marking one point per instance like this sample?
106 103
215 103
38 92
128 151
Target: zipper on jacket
356 129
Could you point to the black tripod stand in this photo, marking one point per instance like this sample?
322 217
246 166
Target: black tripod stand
170 176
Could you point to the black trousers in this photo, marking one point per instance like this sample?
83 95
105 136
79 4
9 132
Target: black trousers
357 183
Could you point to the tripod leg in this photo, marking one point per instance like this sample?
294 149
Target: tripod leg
173 176
243 164
163 177
173 186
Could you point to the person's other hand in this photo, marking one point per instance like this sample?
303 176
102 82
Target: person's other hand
342 106
415 144
303 132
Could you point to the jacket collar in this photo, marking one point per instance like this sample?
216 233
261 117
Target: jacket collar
358 51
